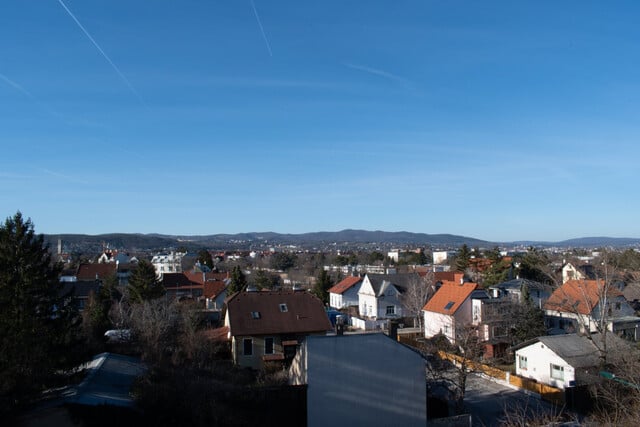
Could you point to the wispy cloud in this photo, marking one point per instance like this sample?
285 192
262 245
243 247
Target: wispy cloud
102 52
377 72
264 36
63 176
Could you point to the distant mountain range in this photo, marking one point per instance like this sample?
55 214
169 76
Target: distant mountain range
344 238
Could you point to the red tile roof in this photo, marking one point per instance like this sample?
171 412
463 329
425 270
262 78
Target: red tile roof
451 276
580 296
450 297
201 278
345 285
217 334
213 289
276 312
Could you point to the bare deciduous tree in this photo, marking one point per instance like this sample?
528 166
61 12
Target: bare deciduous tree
415 296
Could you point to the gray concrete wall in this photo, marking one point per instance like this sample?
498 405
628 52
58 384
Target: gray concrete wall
364 380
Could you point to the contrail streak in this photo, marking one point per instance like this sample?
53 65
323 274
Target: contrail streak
28 94
16 86
264 36
113 65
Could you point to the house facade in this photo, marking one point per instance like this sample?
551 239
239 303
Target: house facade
448 309
566 360
268 327
380 295
167 263
584 305
518 289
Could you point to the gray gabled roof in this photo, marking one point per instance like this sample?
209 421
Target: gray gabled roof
578 351
402 281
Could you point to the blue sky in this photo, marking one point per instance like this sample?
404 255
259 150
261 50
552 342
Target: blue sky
498 120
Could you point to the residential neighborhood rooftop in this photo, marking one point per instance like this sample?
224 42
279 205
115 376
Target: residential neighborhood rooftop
450 297
274 312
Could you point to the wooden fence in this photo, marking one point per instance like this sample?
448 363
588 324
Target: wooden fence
551 394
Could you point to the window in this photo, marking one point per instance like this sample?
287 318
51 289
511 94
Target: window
283 308
446 329
449 305
247 347
499 331
391 310
617 306
255 314
522 362
268 345
557 372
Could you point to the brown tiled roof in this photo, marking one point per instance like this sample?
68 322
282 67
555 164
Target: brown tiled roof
217 334
213 288
276 312
345 285
579 296
450 297
450 276
177 280
95 271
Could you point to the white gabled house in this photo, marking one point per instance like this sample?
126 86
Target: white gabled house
380 295
345 293
564 360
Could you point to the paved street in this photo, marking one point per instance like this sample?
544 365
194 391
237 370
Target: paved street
488 401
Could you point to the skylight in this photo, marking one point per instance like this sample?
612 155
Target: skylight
449 305
255 314
283 308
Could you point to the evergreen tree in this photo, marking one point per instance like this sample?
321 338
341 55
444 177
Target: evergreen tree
204 258
322 286
38 325
264 280
96 313
144 284
238 281
462 258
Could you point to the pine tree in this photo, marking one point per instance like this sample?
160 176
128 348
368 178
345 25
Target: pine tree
238 281
462 258
38 325
144 284
322 286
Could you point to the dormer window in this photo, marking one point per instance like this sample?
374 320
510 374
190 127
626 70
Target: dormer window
283 308
255 314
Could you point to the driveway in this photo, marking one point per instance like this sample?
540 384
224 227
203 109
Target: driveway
488 401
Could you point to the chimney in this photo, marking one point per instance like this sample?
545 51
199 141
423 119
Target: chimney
339 325
392 327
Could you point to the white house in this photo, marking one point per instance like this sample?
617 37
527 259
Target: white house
379 296
361 380
441 257
345 293
562 360
167 263
581 272
448 308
